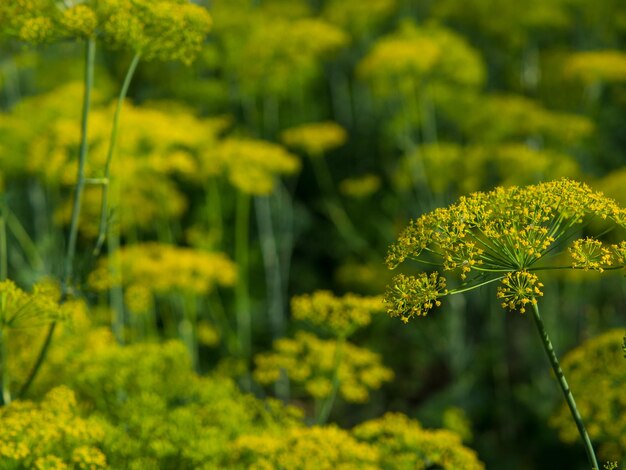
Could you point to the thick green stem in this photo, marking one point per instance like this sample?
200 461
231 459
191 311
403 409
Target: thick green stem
569 398
242 296
90 59
111 151
327 404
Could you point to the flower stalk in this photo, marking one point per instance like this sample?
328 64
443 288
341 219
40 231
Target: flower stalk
90 59
569 398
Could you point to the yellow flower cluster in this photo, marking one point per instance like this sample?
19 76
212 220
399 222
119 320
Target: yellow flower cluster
403 443
519 289
311 362
315 139
159 143
411 55
252 165
21 309
411 296
162 30
323 448
50 434
595 370
360 187
162 268
169 417
31 21
341 315
593 66
589 253
493 236
272 56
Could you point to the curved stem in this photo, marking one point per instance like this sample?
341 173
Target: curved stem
112 146
90 59
569 398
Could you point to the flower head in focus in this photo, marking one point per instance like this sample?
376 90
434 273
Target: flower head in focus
506 235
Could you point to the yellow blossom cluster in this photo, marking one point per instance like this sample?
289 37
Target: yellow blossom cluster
153 28
403 443
519 289
595 370
341 315
163 268
273 55
50 434
252 165
360 187
150 28
498 235
160 144
589 253
311 363
412 55
323 448
411 296
593 66
315 139
19 308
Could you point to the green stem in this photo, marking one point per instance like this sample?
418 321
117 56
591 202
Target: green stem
242 296
90 59
116 294
336 211
112 146
214 212
569 398
4 264
187 328
4 366
327 405
23 239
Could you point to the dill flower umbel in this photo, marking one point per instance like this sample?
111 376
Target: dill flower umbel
592 66
252 165
50 434
19 308
162 268
315 139
158 30
403 443
312 363
316 447
504 235
341 315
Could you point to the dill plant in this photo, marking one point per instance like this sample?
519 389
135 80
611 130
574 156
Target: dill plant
506 236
